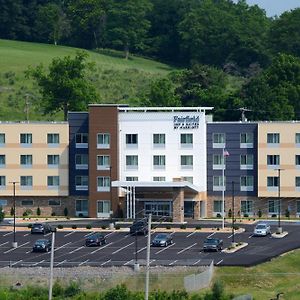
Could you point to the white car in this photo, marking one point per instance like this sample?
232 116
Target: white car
262 229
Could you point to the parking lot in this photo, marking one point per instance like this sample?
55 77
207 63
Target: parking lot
70 249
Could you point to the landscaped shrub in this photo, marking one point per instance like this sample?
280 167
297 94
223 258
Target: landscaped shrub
12 211
287 213
168 226
259 213
30 225
182 226
89 226
103 226
74 226
219 215
60 226
27 213
53 214
1 214
198 227
66 212
38 211
246 216
117 226
273 216
229 213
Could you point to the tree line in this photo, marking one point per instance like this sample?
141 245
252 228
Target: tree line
230 55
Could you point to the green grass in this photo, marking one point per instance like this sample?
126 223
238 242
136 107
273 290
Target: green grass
116 79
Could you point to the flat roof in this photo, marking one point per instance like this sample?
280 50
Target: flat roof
154 109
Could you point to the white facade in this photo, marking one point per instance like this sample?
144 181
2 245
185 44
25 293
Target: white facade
176 150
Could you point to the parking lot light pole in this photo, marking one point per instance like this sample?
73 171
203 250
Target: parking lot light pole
51 264
232 243
14 243
279 229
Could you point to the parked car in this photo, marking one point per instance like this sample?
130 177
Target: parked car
40 228
213 244
162 239
262 229
95 239
139 227
42 245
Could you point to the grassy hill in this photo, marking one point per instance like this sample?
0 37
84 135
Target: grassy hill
117 80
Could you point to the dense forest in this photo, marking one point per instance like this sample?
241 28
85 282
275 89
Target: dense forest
213 43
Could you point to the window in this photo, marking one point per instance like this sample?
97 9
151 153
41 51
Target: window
159 161
82 140
247 207
218 206
81 161
298 207
274 206
81 207
103 184
159 178
2 160
272 182
158 208
53 160
3 202
297 161
54 202
103 207
297 138
52 138
131 140
26 138
218 162
188 179
186 161
26 160
246 140
81 183
132 178
186 140
218 183
103 141
273 138
2 138
246 162
132 162
218 140
159 140
103 162
273 161
25 182
246 183
53 181
27 203
297 183
2 182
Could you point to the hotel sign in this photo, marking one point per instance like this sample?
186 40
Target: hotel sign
187 122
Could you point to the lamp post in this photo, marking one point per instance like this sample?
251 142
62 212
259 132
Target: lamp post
111 224
232 243
14 243
279 229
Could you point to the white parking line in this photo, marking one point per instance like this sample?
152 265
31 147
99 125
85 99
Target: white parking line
62 246
250 236
8 233
77 249
84 262
89 233
219 262
106 262
101 248
60 263
109 234
230 236
122 248
39 262
190 234
187 248
165 248
3 244
196 262
48 234
128 262
16 262
172 233
69 233
12 249
211 235
140 250
173 262
26 234
29 251
151 261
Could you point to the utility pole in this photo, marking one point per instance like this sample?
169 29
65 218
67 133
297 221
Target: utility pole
51 264
279 229
148 258
14 243
232 243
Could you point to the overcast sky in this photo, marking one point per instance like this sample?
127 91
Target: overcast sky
275 7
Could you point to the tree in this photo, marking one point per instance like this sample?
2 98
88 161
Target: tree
275 93
128 24
66 86
2 215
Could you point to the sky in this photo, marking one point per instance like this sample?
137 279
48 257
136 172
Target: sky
275 7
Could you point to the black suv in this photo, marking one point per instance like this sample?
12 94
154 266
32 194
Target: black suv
40 228
212 244
42 246
95 239
139 227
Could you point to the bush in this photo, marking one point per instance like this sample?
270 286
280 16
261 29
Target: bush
12 211
246 216
273 216
53 214
236 227
60 226
229 213
38 211
168 226
89 226
29 226
74 226
66 212
117 226
1 214
198 227
218 228
259 213
27 213
103 226
182 226
219 215
287 213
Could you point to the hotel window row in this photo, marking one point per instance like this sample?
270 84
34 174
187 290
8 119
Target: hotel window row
27 181
246 162
246 183
159 178
219 140
159 162
274 138
26 160
26 138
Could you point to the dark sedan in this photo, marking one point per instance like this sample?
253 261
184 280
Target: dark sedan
42 228
42 245
95 239
139 227
213 244
162 240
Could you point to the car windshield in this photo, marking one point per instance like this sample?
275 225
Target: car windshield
94 236
211 241
37 225
160 237
261 226
40 242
